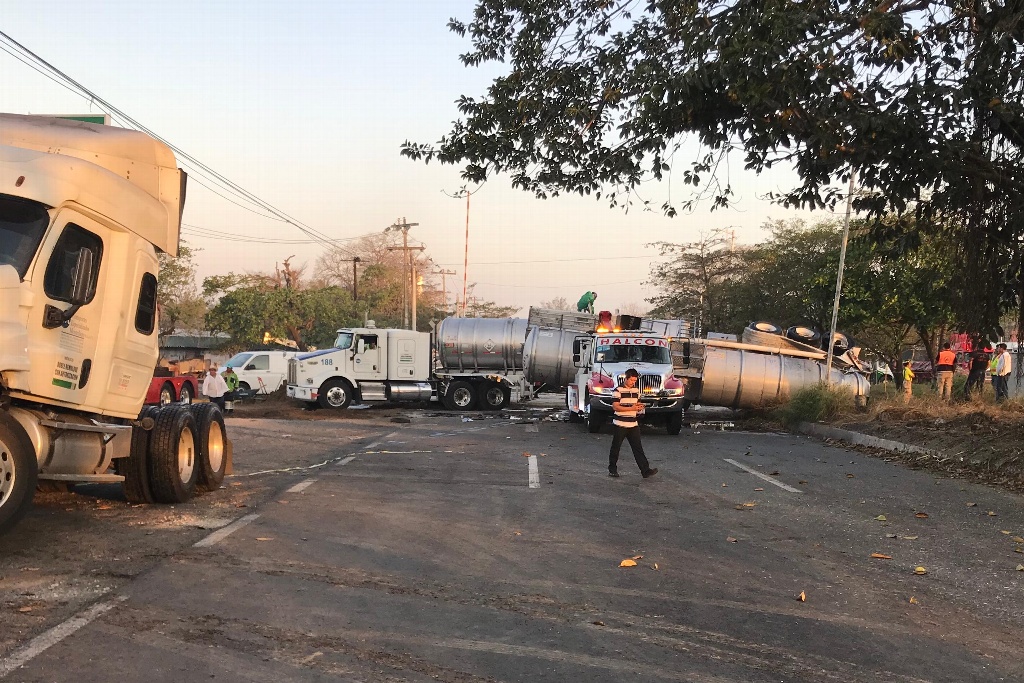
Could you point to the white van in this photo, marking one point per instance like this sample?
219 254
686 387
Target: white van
260 371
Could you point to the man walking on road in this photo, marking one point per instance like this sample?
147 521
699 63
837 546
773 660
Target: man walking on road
944 366
1001 374
627 407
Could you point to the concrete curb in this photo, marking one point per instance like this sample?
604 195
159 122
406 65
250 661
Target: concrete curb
856 438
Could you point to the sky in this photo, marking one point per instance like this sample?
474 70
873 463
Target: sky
306 104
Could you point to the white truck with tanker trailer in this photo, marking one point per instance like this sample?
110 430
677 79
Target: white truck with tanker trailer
466 363
84 209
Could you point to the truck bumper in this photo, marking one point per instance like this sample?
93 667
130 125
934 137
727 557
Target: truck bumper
302 393
653 407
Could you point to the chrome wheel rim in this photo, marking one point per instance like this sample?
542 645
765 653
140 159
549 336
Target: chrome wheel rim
494 396
215 447
166 396
462 397
186 455
336 396
8 473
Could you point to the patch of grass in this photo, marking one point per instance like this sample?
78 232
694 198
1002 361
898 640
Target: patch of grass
815 404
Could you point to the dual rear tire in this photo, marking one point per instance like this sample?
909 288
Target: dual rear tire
19 472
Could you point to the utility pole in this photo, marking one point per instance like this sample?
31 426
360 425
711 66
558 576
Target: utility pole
444 288
839 278
404 226
355 277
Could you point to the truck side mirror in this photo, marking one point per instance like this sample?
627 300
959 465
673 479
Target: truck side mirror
576 343
361 346
83 278
577 359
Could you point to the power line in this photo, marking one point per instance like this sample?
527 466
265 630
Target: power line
202 169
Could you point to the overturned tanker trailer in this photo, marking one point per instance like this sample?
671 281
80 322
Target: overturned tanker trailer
752 375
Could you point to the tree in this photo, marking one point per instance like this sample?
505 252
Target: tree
180 304
250 305
382 272
559 303
922 100
696 282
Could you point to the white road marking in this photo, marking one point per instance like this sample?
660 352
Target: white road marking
221 534
764 476
380 440
56 634
534 472
301 486
345 461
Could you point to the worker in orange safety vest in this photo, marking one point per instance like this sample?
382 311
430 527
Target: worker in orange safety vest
944 366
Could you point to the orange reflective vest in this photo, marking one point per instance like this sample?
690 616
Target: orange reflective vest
946 361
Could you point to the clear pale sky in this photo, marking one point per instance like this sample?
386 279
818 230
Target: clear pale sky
306 104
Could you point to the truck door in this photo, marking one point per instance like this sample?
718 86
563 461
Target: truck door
63 359
366 355
257 370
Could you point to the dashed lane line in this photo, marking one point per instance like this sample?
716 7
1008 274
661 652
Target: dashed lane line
534 472
221 534
760 475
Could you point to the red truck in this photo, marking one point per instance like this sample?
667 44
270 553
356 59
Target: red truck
168 389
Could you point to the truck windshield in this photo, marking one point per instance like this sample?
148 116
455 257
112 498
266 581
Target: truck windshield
238 360
619 353
22 224
344 340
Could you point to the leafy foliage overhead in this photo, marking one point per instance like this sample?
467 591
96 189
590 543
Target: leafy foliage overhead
923 99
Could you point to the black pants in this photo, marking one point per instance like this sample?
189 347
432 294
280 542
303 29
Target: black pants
975 379
219 400
631 434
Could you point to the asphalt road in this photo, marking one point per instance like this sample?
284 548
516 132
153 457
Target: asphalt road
489 550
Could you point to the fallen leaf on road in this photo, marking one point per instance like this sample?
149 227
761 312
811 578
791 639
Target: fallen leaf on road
283 502
774 474
849 476
725 486
890 535
740 507
759 489
880 556
627 563
921 515
972 505
730 539
802 481
920 570
991 513
1017 539
1020 567
264 538
913 600
517 533
526 455
880 518
802 597
638 557
1004 531
597 623
1018 550
24 609
910 538
104 507
654 566
749 505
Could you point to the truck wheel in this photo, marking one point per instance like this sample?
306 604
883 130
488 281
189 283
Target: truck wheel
334 394
674 423
166 394
594 422
186 394
19 472
574 415
172 455
135 468
460 396
494 396
212 445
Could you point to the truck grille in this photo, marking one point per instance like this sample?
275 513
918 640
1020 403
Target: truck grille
293 371
647 382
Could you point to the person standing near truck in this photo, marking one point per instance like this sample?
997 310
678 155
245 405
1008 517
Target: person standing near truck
945 364
231 381
979 364
627 407
908 382
214 387
1001 373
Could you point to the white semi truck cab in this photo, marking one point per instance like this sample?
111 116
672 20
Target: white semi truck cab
366 364
83 210
603 358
